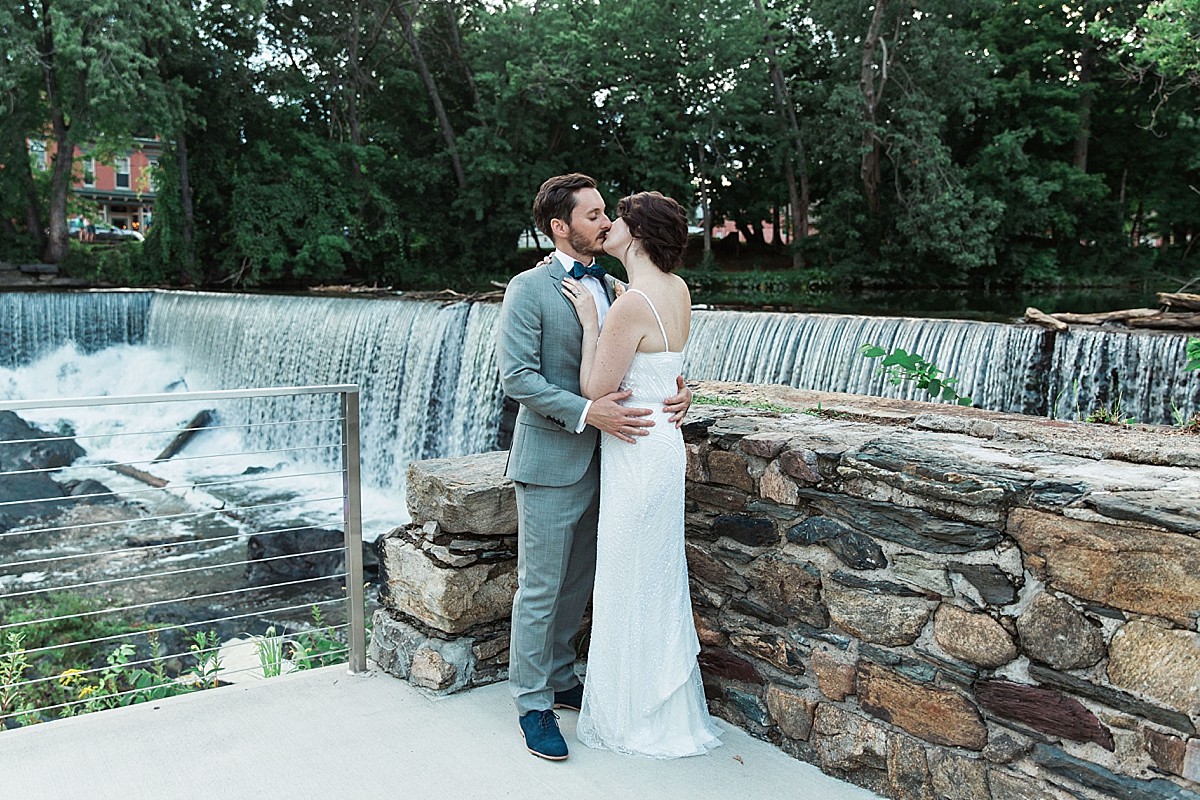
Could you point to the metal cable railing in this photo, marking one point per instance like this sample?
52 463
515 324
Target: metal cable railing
99 606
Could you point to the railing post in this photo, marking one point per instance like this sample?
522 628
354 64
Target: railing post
352 519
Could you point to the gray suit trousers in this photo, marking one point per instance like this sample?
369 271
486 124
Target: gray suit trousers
556 567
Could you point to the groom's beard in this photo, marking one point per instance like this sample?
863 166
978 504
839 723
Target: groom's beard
583 245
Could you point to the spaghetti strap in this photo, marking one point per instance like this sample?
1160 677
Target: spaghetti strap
658 319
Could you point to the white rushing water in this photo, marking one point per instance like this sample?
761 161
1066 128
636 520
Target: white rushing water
429 385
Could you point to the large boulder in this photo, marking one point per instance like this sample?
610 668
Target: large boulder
294 555
25 448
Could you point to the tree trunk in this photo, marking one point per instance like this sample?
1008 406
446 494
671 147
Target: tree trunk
1083 133
797 198
33 213
187 267
64 153
871 86
435 97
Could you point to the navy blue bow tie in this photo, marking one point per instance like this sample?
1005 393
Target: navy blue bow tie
579 270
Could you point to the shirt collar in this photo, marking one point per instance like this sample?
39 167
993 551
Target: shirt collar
569 262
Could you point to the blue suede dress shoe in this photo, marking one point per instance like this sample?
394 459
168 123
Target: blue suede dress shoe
571 699
542 737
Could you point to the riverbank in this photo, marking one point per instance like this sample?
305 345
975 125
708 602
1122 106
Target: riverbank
37 276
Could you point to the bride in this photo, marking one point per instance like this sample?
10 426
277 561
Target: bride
643 693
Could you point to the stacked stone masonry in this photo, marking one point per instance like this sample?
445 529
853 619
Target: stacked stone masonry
930 602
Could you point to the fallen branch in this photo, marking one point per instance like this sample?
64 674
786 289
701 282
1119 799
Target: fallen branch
1124 315
1188 322
1191 302
1037 317
198 423
137 474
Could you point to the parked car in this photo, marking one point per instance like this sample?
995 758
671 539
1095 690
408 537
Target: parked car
110 233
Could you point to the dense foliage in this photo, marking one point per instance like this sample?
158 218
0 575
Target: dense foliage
983 143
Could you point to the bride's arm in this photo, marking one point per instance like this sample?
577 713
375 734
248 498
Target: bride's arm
605 357
614 349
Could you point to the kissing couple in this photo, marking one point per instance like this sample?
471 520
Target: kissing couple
598 461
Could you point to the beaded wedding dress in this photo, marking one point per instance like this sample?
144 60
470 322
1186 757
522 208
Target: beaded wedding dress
643 693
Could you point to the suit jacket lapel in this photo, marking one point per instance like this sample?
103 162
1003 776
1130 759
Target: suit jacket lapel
557 275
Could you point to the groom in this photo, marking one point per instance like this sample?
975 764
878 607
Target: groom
554 459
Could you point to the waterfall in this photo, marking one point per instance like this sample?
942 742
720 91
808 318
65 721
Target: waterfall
33 324
998 366
426 373
428 378
1140 375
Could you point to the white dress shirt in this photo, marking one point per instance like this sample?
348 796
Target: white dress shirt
600 293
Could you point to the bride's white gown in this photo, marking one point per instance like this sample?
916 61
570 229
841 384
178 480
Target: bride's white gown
643 693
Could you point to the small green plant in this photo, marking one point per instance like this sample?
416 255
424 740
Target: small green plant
316 648
13 665
270 653
1193 355
1111 414
208 658
900 366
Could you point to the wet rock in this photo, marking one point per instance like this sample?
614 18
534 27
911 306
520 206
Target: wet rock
90 491
1055 633
294 555
26 446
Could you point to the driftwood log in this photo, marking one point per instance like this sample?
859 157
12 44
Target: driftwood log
1182 322
1132 317
1181 300
198 423
139 475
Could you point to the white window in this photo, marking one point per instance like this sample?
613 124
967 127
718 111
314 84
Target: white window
122 169
152 171
89 172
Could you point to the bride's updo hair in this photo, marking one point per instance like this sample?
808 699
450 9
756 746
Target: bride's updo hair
659 224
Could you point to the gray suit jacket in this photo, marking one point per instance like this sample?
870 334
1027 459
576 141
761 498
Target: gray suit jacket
538 345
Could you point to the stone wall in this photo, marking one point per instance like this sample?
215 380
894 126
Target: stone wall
928 601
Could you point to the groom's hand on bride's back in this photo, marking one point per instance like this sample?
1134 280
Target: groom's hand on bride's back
608 415
677 405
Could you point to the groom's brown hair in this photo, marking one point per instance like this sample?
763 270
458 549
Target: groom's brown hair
556 199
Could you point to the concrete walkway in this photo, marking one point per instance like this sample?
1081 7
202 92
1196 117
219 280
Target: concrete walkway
328 735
